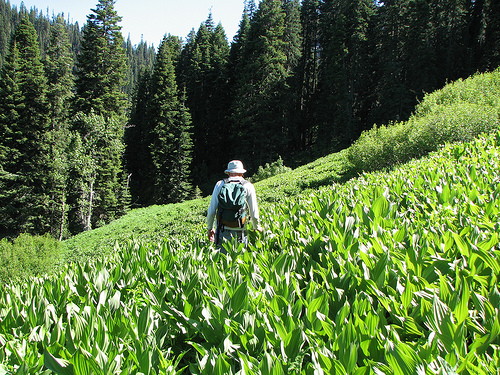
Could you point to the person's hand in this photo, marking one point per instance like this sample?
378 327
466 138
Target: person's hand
211 235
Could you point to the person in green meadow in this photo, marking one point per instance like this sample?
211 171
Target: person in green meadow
232 206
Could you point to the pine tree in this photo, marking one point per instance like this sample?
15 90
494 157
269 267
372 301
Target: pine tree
96 171
58 68
344 75
491 56
438 50
218 103
307 77
139 58
138 138
293 44
101 64
411 56
100 106
203 74
237 61
23 137
172 145
261 110
236 53
5 29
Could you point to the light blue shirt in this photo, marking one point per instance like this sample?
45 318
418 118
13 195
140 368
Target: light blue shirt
253 208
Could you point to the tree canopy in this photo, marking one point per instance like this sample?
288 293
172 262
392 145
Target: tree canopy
91 125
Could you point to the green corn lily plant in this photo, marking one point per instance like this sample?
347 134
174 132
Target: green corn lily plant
390 273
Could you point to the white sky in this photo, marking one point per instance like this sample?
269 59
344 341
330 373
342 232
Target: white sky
151 19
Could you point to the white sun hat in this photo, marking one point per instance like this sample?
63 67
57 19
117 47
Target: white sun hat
235 166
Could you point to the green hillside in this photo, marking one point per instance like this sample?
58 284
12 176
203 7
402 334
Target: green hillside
457 113
186 221
390 272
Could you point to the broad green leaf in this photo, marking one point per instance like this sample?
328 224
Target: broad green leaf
103 296
338 367
462 245
293 343
58 365
402 359
84 364
193 282
462 309
491 261
381 206
349 224
407 295
145 360
114 302
442 323
144 321
222 367
410 327
267 364
314 306
200 349
239 298
278 304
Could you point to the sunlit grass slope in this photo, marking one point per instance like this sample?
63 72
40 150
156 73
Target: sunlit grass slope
186 221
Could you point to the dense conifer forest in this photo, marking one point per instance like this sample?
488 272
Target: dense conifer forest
91 125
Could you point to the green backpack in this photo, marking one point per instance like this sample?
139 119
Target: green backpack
232 208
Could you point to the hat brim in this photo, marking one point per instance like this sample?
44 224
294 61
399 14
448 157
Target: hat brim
235 171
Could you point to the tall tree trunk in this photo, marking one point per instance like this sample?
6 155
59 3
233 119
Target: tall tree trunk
88 224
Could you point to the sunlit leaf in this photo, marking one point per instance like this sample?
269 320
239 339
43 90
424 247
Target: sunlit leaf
58 365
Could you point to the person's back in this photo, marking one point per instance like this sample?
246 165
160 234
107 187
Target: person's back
227 210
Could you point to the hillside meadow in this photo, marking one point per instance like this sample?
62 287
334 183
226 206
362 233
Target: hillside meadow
390 272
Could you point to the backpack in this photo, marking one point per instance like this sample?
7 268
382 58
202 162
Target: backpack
232 207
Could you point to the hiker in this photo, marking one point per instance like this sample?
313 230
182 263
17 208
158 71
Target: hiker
231 222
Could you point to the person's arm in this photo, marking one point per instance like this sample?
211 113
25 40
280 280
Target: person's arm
212 210
253 207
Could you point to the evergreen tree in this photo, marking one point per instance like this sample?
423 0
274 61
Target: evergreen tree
99 80
58 68
138 138
95 153
139 58
293 50
203 74
6 28
445 35
236 53
24 148
101 64
411 58
261 110
491 56
344 70
218 103
307 77
171 125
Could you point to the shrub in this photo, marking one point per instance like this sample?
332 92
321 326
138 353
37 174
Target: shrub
457 122
270 170
480 89
28 256
380 147
459 112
